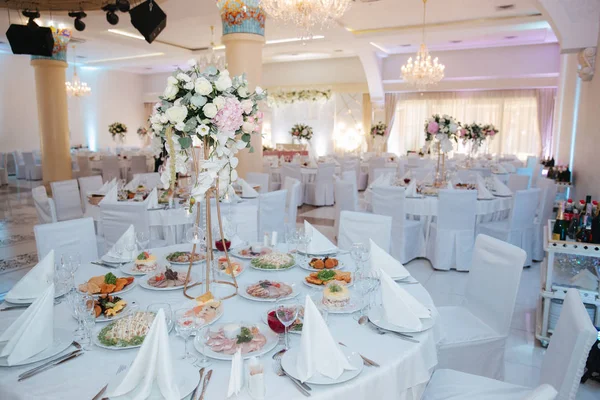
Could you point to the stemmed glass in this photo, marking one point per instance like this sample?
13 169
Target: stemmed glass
87 315
155 307
185 323
143 239
71 262
360 254
372 284
202 337
291 239
74 298
287 312
62 278
131 248
361 286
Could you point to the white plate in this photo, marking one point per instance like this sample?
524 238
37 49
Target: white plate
185 374
312 285
272 270
242 292
115 261
15 300
307 267
272 340
144 283
332 252
290 357
97 341
125 289
223 273
128 269
353 305
184 263
62 340
235 251
377 316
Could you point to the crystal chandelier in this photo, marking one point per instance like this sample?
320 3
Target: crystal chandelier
212 59
306 14
76 88
423 72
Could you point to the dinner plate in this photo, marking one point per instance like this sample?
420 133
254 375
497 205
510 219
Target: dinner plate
186 378
62 340
272 340
125 289
353 305
99 344
144 283
242 292
331 252
307 267
236 252
128 269
289 365
272 269
223 273
377 316
115 261
15 300
312 285
186 262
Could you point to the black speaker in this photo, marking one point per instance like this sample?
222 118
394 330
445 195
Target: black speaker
34 40
149 19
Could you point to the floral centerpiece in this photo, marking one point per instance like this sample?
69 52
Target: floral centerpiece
474 133
296 96
142 132
441 129
489 130
117 130
301 131
378 129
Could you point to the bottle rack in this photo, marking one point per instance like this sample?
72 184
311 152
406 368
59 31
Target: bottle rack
553 289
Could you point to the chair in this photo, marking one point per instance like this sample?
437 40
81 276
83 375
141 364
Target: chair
83 162
66 199
548 194
44 206
346 199
518 228
451 238
149 179
378 172
517 182
531 162
3 169
87 185
291 203
528 172
12 168
77 235
561 370
350 176
138 166
271 213
20 169
320 191
33 171
259 179
293 171
374 163
118 216
421 174
475 334
110 168
356 227
485 172
408 240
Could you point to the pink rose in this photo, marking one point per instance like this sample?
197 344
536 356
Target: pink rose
463 132
433 128
230 117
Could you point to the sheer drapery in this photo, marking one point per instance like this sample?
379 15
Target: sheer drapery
391 101
513 112
545 106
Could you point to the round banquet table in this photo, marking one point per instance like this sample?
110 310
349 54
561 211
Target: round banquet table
428 206
124 165
405 367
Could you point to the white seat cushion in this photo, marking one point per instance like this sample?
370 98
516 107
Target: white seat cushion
460 326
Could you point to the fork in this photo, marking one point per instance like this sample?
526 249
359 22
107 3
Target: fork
277 357
122 368
280 372
366 360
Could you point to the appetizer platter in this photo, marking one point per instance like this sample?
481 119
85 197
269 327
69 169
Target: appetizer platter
273 261
143 264
183 258
276 326
225 269
109 308
107 284
251 252
269 291
324 277
169 279
225 339
337 299
209 312
320 264
126 333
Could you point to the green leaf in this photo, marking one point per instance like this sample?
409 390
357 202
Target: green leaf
185 142
246 137
251 150
198 100
190 125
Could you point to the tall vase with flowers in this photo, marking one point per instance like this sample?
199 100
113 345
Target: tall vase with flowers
490 132
378 136
117 131
440 130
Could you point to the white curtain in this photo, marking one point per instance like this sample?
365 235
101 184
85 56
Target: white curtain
545 105
513 112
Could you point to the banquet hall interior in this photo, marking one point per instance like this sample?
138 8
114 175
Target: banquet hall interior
267 199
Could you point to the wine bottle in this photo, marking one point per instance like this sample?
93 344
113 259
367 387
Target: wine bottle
559 231
567 175
596 227
580 235
551 173
573 225
552 162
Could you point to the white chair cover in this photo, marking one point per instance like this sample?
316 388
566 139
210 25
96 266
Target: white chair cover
66 199
118 216
149 179
528 172
320 191
517 182
408 238
293 171
3 169
271 213
291 203
259 179
87 185
475 334
548 194
346 199
350 176
77 235
44 207
374 163
110 168
138 165
33 171
378 172
361 177
451 239
518 229
20 169
356 227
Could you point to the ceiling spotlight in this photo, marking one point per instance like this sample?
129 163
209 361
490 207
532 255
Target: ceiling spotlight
78 15
111 15
123 5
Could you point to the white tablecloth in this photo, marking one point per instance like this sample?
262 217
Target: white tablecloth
124 165
405 367
428 206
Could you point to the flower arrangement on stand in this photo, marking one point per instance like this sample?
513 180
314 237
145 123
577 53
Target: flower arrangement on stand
222 112
377 134
490 132
301 131
118 131
476 135
441 130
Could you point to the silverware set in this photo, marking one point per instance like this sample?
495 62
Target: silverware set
302 387
98 396
52 363
204 385
368 362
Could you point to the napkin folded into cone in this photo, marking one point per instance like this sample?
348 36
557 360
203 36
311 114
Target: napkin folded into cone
111 195
32 332
235 375
247 190
152 365
319 352
411 190
127 237
380 259
482 191
319 244
400 308
152 199
501 188
37 280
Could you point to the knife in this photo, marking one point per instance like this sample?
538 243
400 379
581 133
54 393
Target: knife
14 307
103 264
199 383
33 370
47 367
206 381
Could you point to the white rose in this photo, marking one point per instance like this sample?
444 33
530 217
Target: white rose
172 80
176 114
163 119
180 126
243 91
247 106
219 101
202 130
170 92
192 62
259 90
210 110
183 77
188 85
203 86
453 127
223 82
247 127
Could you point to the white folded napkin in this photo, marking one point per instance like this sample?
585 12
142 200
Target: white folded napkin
153 363
36 281
133 184
247 190
498 169
382 260
482 192
411 190
104 188
319 244
32 332
127 237
152 199
111 196
235 375
501 188
400 308
382 180
319 352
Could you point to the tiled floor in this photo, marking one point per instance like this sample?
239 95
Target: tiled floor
524 354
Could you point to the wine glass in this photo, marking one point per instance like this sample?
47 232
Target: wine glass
73 299
143 239
87 314
290 237
195 235
357 252
287 312
131 247
62 278
185 323
155 307
202 338
71 261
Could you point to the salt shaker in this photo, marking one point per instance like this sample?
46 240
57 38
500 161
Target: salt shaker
266 239
274 239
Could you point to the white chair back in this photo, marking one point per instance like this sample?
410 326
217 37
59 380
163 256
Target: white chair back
485 172
517 182
466 176
356 227
569 347
493 282
525 204
259 179
138 165
374 163
378 172
66 199
118 216
390 201
457 209
44 207
149 179
346 199
547 196
77 235
526 172
325 173
31 172
293 188
87 185
421 174
83 162
271 213
110 168
350 176
532 161
291 170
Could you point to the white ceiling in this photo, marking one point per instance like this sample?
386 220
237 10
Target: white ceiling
391 25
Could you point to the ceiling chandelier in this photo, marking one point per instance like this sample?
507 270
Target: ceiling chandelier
76 88
306 14
212 59
423 72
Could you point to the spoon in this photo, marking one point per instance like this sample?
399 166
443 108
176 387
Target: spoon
363 320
